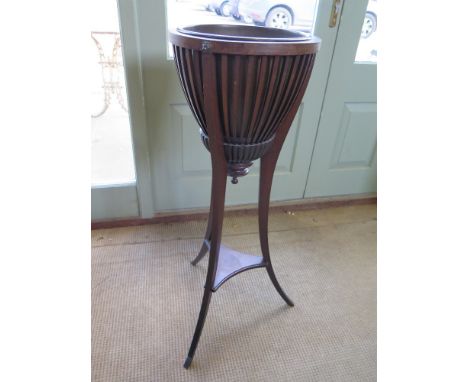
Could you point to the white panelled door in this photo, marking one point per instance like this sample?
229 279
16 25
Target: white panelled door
345 150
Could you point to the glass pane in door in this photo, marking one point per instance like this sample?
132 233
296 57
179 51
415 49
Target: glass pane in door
367 49
111 143
290 14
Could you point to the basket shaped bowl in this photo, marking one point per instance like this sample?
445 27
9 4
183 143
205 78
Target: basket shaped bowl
259 73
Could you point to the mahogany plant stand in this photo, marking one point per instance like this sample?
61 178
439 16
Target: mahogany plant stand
244 86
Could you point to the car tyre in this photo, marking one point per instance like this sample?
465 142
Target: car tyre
225 9
369 26
279 17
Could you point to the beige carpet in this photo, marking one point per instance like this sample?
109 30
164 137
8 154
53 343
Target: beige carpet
146 297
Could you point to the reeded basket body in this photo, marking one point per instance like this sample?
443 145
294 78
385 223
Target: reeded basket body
256 87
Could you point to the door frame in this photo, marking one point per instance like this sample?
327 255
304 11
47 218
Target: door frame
135 89
134 198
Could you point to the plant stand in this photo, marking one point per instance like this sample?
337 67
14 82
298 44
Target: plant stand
244 86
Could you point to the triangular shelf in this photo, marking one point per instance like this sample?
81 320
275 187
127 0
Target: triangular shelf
231 262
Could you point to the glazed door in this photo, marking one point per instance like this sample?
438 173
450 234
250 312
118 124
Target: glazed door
179 163
344 157
120 176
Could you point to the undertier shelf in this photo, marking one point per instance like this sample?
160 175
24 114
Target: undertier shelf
231 263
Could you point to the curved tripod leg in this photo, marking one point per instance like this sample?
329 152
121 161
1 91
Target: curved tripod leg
218 192
198 330
267 169
206 242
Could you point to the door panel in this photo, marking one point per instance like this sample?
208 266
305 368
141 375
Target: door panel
195 159
355 142
344 158
189 182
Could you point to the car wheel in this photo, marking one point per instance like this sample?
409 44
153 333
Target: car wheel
225 9
369 26
279 17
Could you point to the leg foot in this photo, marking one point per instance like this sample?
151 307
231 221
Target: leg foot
187 362
277 286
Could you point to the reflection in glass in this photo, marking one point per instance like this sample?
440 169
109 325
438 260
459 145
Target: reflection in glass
367 49
111 143
284 14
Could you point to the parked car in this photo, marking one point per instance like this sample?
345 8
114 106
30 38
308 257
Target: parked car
277 13
293 13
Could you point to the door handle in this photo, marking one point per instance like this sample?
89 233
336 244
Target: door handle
336 8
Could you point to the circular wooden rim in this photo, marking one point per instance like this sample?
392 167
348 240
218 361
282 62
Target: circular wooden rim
244 44
243 33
